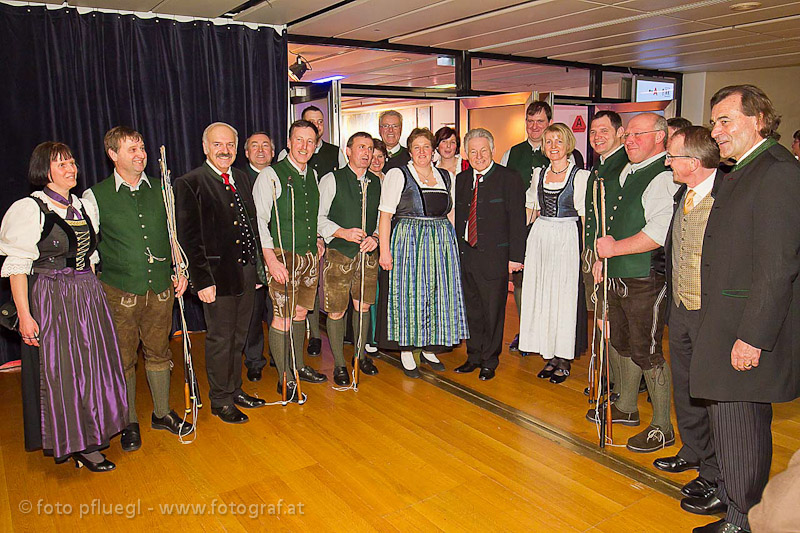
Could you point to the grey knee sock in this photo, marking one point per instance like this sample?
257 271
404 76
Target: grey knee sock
159 389
277 346
299 338
630 376
659 381
313 320
364 327
130 388
335 330
614 364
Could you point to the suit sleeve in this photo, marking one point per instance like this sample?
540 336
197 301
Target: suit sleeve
517 231
776 245
190 235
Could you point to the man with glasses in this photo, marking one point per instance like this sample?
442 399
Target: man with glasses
638 212
390 126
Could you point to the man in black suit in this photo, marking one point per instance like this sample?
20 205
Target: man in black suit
747 352
258 150
390 127
218 230
490 225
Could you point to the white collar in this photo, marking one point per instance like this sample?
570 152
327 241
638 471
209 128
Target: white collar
702 189
397 148
751 150
257 171
482 173
612 152
118 181
291 162
636 166
537 147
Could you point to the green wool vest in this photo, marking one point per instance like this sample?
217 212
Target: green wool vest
306 205
626 218
346 207
326 160
134 243
609 170
524 159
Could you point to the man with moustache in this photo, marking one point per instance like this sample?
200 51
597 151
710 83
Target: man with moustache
136 274
326 158
694 158
490 224
390 128
747 351
217 228
639 209
287 199
258 150
605 136
339 221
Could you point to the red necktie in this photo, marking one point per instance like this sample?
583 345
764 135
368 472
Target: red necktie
227 179
472 221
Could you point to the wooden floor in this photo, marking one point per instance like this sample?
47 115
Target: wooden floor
398 455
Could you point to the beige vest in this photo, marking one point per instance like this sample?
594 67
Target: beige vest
687 250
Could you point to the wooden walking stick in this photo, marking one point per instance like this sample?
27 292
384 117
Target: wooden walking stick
607 425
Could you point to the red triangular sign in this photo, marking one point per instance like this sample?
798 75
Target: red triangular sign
579 126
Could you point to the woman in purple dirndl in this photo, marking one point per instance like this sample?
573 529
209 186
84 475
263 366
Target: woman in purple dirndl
73 384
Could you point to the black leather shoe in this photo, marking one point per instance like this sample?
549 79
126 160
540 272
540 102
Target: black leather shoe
720 526
172 423
708 505
642 385
486 374
435 365
548 370
230 414
559 376
699 487
291 391
247 401
131 438
674 465
366 366
314 347
340 376
466 368
312 376
514 346
253 374
104 466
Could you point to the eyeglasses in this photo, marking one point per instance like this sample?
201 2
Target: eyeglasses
391 126
637 134
670 157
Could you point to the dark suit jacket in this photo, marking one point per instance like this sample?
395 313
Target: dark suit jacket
750 285
501 219
400 160
206 214
251 174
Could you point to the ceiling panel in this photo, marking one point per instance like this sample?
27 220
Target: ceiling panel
281 11
122 5
197 8
783 9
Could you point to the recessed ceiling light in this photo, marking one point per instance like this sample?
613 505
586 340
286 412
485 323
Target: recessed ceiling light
745 6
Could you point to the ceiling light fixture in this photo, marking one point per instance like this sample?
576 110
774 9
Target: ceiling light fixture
299 68
745 6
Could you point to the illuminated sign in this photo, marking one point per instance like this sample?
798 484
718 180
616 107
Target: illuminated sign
654 91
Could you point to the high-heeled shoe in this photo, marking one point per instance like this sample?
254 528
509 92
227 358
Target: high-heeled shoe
104 466
548 369
409 365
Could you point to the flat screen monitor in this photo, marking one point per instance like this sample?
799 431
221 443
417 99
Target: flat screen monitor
653 90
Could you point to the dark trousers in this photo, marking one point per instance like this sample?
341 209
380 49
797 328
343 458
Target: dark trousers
254 345
227 320
692 413
636 313
743 441
485 301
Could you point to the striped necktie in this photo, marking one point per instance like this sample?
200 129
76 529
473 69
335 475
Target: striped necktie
472 221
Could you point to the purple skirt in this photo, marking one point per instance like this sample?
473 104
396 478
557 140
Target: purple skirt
83 397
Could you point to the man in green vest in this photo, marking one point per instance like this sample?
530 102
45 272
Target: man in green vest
258 150
605 136
341 194
326 158
136 274
287 204
639 211
390 128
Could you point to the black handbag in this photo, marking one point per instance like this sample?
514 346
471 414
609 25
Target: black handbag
8 316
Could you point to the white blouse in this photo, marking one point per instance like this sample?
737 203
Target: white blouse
395 182
578 197
22 228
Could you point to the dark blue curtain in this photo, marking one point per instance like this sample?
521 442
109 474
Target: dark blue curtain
70 77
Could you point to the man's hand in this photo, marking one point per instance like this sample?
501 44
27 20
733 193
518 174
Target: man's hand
277 271
208 295
597 272
743 356
605 246
356 235
513 266
180 286
368 244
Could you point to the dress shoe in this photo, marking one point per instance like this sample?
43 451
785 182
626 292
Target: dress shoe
312 376
291 391
104 466
642 385
314 346
486 374
366 365
720 526
248 402
253 374
340 376
548 370
674 465
435 365
514 346
617 416
559 376
709 505
131 438
699 487
466 368
651 439
172 423
229 414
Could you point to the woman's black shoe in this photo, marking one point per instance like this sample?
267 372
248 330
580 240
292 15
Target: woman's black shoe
548 370
435 365
560 375
104 466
